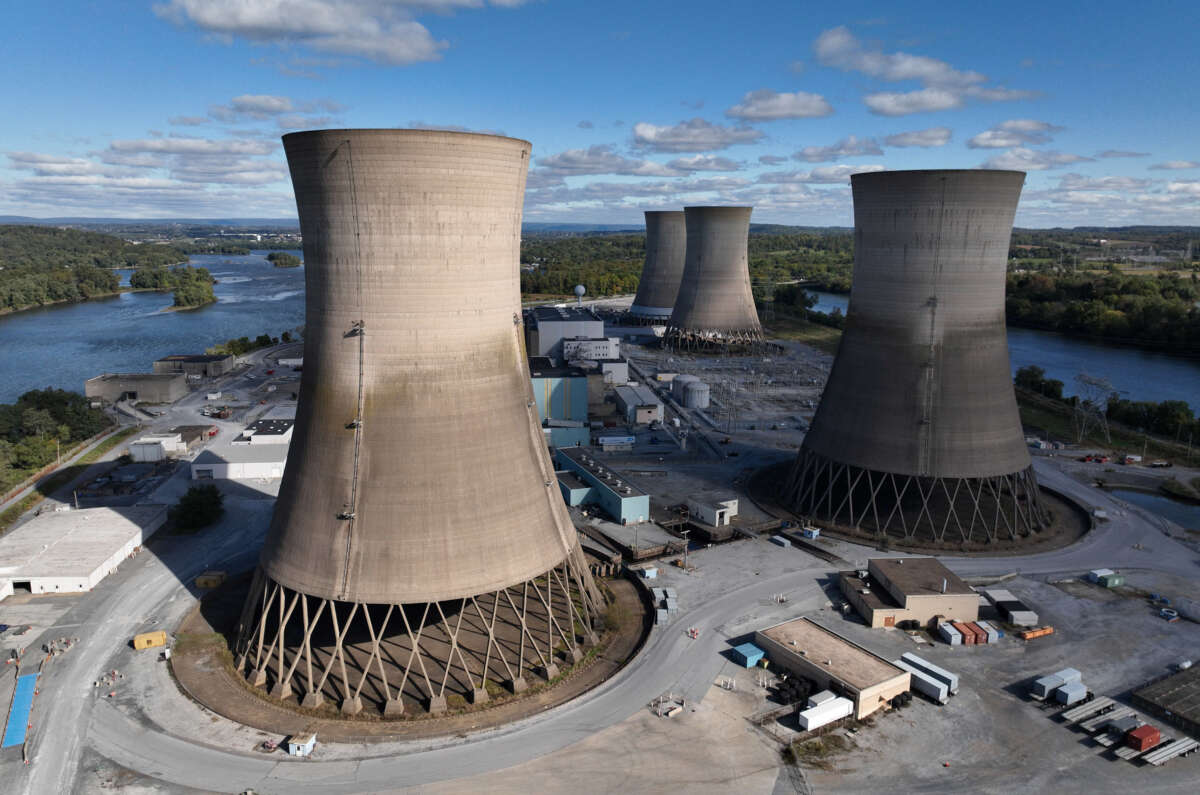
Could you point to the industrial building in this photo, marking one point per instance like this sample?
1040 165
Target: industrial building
267 431
585 481
834 663
72 550
561 396
605 348
638 404
714 309
243 462
197 365
548 326
666 250
142 387
1175 700
157 447
908 589
713 509
917 432
420 479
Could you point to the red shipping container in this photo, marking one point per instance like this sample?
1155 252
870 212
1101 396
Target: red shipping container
968 637
1143 738
980 635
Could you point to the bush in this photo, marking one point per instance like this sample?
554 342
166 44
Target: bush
200 507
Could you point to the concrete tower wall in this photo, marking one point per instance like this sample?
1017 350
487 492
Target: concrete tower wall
666 247
446 489
921 384
715 303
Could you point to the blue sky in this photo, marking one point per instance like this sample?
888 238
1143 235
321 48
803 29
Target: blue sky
171 108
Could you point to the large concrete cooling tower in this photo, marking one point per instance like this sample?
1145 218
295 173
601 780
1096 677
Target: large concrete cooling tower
420 546
666 244
715 308
917 433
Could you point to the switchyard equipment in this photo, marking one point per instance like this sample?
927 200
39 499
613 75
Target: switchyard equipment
666 248
419 547
714 310
917 434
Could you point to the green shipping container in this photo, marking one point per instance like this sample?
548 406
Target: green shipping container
1112 580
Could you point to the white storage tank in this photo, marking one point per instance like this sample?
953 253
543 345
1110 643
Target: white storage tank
695 395
679 386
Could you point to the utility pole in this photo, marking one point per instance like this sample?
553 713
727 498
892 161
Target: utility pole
685 548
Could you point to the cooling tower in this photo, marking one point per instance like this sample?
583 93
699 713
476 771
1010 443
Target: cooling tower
666 244
917 433
715 308
420 546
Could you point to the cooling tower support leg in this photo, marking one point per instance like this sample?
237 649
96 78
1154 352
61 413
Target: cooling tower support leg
434 654
940 509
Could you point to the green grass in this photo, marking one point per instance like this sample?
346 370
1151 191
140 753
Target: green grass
786 327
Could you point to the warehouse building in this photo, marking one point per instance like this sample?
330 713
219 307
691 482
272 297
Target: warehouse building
243 462
266 431
713 509
908 589
156 447
547 327
585 481
638 404
834 663
143 387
197 366
71 551
1175 699
561 394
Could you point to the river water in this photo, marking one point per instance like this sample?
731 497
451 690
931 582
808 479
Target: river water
1181 513
63 345
1136 373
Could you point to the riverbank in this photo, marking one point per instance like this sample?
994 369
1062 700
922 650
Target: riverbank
120 291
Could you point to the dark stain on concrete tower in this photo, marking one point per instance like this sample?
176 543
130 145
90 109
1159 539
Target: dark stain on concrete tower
666 248
420 547
917 433
714 310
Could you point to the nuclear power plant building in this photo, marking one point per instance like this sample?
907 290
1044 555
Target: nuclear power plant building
666 247
714 310
917 433
420 548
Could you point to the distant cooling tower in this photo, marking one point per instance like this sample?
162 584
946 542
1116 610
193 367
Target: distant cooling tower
420 546
666 245
715 308
917 433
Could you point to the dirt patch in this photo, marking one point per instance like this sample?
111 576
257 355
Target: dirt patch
818 752
203 667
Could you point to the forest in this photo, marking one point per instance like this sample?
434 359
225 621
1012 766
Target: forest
40 424
192 286
282 259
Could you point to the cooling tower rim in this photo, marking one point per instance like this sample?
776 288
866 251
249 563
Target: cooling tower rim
397 132
710 207
662 213
867 176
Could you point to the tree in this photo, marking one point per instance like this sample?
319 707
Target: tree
37 422
199 507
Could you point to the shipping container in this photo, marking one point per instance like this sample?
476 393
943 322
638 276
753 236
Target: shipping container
1143 738
981 637
815 717
210 579
1037 632
747 655
817 699
1070 693
925 684
968 637
993 634
1068 675
950 634
661 616
1043 687
941 674
780 541
1122 726
1112 580
1022 618
148 640
1095 574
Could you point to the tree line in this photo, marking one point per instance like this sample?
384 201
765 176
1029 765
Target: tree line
192 286
40 424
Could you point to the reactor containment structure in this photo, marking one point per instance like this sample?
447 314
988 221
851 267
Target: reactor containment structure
420 549
714 310
666 248
917 433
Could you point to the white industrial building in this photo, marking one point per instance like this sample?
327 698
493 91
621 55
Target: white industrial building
639 404
156 447
608 348
267 431
71 551
243 462
715 511
549 326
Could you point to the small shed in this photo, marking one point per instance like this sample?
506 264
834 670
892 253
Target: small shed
301 744
747 655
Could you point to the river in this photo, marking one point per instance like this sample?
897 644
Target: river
63 345
1184 514
1136 373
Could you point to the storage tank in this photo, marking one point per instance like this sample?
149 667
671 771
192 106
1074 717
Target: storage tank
666 249
917 433
419 509
695 395
679 386
714 310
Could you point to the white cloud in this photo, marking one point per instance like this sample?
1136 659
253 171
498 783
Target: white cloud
188 121
1121 153
942 86
298 121
1185 187
1015 132
195 146
934 136
602 159
772 160
1078 182
704 163
696 135
821 174
1022 159
1175 165
384 31
850 146
768 105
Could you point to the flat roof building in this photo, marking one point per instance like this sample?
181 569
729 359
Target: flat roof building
908 589
267 431
639 404
548 326
143 387
561 394
207 365
72 551
808 649
1175 700
243 462
592 483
